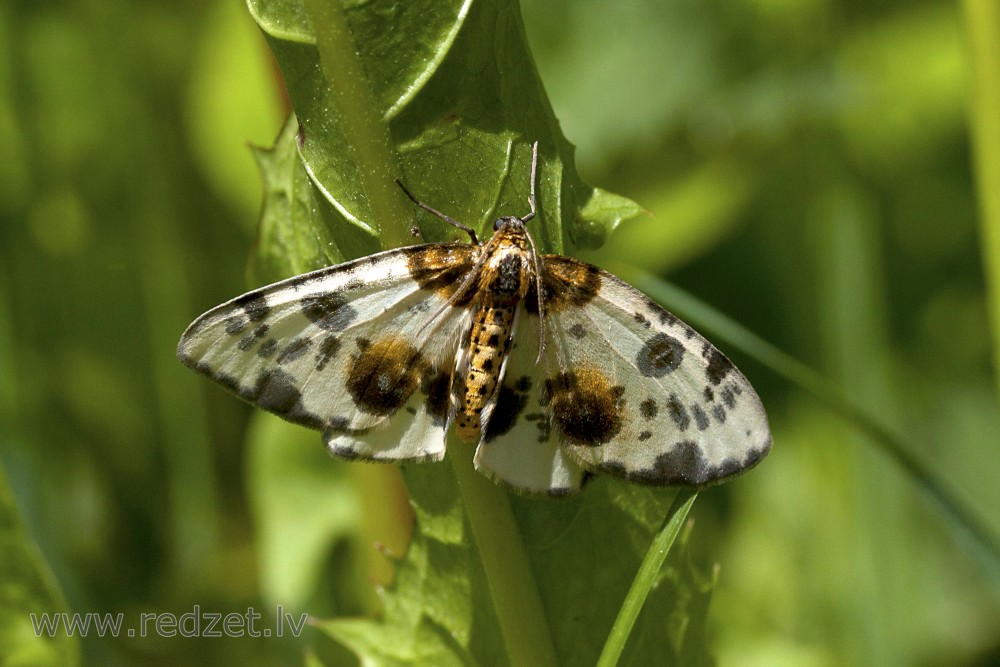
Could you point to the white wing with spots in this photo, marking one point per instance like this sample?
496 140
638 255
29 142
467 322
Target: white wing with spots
634 392
518 448
363 351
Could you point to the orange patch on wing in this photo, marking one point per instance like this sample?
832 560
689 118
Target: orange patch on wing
442 268
384 374
585 405
566 283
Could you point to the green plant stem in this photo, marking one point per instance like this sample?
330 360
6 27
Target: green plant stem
645 578
366 132
982 27
892 442
511 581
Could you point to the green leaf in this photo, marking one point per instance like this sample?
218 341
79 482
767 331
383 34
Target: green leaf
445 97
27 588
690 593
456 104
438 611
583 553
601 214
292 235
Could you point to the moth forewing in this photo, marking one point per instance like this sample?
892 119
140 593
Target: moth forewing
353 350
638 394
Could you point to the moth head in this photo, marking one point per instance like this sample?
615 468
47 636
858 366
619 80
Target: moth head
509 222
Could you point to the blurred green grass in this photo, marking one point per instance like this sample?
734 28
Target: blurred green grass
808 172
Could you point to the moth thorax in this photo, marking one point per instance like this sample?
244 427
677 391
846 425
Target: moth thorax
507 274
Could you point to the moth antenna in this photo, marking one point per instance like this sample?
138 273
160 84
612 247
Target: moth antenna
537 261
451 221
532 201
535 257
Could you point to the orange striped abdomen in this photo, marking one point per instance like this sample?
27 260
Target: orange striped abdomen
488 346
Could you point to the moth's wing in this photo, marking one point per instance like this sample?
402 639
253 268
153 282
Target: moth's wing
518 448
362 351
416 432
634 392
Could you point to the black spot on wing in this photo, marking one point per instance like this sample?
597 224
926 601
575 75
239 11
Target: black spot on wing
254 305
682 464
577 331
718 366
338 425
327 350
295 349
645 435
344 452
757 453
236 324
729 398
649 409
668 318
250 339
510 404
660 355
700 417
437 388
276 391
719 413
677 413
330 311
267 349
727 468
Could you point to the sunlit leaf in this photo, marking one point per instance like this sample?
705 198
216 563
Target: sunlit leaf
457 95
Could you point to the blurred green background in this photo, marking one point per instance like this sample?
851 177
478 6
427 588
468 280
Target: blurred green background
807 164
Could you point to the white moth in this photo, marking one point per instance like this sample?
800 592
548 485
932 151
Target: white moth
557 368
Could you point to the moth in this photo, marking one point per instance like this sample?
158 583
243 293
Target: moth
552 368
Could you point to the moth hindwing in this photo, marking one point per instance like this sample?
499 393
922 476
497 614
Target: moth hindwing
552 368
